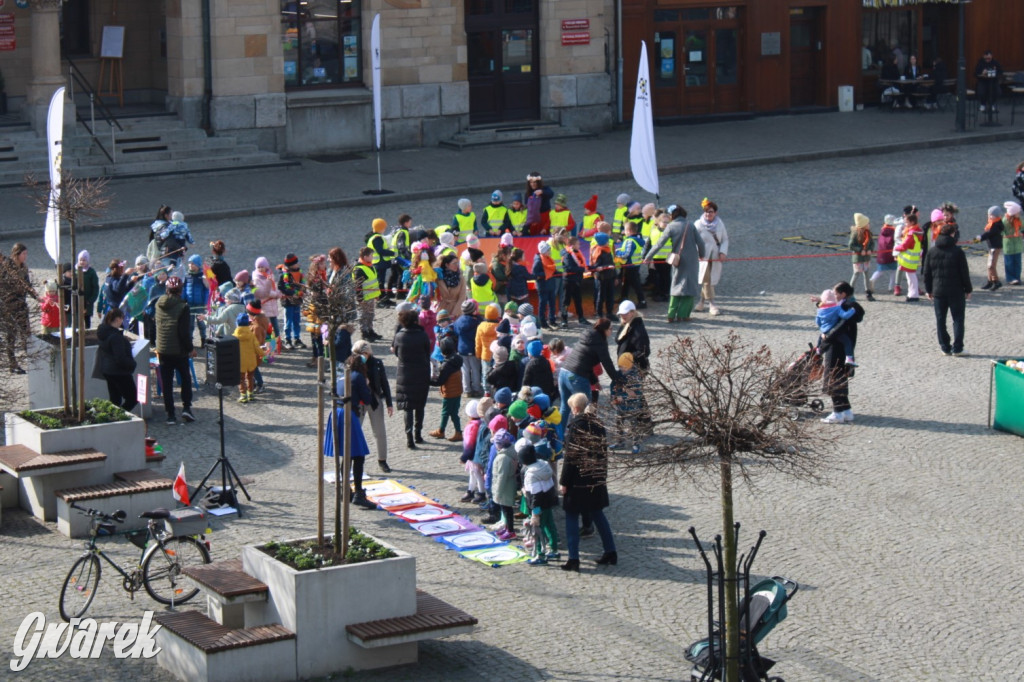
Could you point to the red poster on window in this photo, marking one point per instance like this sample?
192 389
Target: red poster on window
576 38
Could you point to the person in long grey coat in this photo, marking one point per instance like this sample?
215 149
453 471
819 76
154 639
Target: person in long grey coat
685 276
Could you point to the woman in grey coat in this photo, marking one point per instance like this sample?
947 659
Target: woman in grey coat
686 275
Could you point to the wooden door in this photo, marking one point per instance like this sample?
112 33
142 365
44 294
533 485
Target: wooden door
503 59
806 70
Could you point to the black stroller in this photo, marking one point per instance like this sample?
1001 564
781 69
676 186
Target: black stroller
761 609
806 368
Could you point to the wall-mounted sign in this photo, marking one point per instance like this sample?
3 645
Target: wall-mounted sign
6 19
771 44
567 24
7 44
576 38
22 4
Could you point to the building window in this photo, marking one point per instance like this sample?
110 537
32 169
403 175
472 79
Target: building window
322 42
74 28
888 36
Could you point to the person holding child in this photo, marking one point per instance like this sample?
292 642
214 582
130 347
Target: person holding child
837 372
830 316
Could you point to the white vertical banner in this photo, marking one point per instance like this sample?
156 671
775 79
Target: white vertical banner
642 159
54 140
375 53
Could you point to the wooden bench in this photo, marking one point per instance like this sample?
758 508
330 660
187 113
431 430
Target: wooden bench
22 462
228 589
193 647
433 618
132 491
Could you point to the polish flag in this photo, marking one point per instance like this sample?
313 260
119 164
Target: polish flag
180 489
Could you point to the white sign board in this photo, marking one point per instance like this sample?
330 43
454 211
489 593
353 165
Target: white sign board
113 42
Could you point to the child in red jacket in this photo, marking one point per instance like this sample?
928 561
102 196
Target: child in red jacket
50 308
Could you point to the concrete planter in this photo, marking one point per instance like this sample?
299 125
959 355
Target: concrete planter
317 605
122 442
44 375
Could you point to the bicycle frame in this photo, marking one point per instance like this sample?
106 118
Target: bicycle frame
91 548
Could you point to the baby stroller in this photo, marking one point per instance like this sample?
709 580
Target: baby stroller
807 368
761 610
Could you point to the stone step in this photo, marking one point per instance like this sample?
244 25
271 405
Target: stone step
521 133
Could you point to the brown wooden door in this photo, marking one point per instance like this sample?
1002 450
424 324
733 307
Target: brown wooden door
696 62
806 56
503 55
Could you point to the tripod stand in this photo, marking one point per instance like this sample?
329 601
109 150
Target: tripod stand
227 472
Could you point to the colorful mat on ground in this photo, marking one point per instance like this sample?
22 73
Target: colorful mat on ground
497 556
433 519
452 524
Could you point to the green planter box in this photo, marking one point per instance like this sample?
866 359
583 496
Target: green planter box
1006 406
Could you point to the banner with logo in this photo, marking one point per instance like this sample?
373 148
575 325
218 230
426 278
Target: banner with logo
642 159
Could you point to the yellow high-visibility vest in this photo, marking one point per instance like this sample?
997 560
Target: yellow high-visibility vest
910 259
518 219
618 219
466 226
495 217
482 294
371 287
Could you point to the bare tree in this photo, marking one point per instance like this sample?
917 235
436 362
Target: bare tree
76 200
334 304
729 408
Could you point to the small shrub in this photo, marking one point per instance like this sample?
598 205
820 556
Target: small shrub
97 411
307 556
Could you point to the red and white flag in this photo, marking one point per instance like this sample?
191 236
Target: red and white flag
180 489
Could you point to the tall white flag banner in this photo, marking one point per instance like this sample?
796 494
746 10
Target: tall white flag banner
642 159
54 139
375 52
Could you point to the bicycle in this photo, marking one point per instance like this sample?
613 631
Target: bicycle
159 569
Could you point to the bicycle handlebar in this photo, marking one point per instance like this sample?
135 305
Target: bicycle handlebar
117 517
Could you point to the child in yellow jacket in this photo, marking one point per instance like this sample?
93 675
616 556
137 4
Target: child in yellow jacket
249 355
487 332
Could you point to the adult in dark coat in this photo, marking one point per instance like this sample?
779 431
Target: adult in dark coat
632 336
577 372
583 481
116 361
947 282
412 380
837 374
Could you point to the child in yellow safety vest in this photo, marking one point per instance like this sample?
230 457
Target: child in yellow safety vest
622 203
494 219
561 217
481 286
364 274
908 255
464 222
590 218
517 214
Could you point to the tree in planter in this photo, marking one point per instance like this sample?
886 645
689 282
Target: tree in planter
334 305
725 407
76 200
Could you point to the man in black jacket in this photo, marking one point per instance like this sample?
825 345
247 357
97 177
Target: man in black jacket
947 281
174 348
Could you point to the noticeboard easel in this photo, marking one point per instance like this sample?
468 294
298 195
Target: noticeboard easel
112 63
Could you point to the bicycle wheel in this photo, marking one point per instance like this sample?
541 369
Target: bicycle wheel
161 570
79 587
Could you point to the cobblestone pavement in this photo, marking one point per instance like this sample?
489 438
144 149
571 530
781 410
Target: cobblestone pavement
906 559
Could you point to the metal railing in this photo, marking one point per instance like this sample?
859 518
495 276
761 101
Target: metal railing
76 77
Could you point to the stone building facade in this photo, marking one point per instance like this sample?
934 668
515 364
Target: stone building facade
295 77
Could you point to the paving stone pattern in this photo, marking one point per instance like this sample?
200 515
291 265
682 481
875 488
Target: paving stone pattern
907 559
